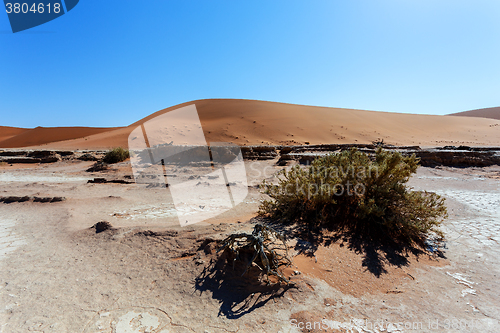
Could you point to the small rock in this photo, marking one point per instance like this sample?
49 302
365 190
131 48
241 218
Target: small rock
98 166
88 157
97 181
42 199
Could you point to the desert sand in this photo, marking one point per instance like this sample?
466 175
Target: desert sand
492 113
248 122
9 132
14 137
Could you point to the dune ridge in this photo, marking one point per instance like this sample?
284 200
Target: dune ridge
7 132
43 135
251 122
492 113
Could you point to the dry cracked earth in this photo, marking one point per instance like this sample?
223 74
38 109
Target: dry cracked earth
148 274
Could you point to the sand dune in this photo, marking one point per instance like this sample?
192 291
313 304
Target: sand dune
492 113
9 132
248 122
43 135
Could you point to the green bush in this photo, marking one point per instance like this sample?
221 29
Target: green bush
116 155
350 191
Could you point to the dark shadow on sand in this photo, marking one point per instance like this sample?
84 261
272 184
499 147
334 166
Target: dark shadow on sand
377 252
238 295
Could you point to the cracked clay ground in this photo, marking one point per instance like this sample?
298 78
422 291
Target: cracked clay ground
57 275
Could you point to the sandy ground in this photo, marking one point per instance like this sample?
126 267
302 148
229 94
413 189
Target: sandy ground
150 275
248 122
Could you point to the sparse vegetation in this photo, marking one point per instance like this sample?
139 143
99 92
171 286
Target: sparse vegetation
116 155
101 226
264 248
350 191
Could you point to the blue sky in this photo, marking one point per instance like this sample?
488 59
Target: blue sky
110 63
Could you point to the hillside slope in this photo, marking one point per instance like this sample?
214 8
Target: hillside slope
492 113
42 135
249 122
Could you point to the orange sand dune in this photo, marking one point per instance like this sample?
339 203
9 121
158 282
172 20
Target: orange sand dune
492 113
9 132
43 135
248 122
